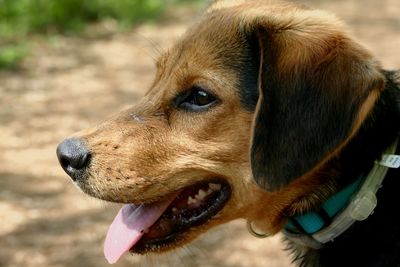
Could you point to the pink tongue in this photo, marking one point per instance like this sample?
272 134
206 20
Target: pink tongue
129 226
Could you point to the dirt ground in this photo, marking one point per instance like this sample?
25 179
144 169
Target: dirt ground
71 83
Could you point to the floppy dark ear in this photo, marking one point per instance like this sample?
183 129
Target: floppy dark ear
316 87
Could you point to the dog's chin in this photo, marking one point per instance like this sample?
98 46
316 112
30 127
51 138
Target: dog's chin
193 207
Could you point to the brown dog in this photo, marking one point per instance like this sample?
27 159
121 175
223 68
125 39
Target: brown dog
254 113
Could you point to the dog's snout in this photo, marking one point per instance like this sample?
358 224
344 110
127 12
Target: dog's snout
74 157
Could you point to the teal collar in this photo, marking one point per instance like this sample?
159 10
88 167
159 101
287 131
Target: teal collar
314 221
356 202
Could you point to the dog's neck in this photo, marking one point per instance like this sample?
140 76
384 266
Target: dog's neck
357 246
356 202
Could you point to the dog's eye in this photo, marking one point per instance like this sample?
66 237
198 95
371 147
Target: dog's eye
196 100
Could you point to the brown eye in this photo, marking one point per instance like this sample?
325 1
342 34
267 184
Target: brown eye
196 100
200 98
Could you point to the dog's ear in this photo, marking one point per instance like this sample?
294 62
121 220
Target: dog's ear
316 87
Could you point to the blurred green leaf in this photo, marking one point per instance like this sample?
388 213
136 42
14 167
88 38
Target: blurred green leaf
12 55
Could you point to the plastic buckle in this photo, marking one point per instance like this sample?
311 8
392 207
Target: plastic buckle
363 206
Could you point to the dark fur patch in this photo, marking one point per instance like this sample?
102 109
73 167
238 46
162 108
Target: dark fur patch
248 75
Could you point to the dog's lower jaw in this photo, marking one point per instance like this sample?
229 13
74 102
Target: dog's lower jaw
185 214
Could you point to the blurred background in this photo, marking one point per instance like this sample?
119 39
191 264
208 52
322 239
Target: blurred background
66 64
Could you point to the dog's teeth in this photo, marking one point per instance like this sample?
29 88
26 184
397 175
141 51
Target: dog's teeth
209 191
191 200
201 194
214 187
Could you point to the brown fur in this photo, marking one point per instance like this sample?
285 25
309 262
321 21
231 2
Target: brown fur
151 150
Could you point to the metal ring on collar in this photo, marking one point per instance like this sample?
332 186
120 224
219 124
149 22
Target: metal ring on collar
254 233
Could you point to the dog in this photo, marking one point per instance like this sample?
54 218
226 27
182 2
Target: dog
266 111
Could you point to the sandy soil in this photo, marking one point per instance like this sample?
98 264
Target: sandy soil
70 83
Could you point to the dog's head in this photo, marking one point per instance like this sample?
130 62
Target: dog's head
245 110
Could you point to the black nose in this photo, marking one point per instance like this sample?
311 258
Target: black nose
74 157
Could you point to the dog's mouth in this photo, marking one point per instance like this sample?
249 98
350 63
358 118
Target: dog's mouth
156 226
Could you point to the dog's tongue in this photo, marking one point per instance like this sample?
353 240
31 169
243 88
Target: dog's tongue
129 226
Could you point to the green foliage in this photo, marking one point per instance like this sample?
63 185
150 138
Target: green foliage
20 18
26 16
12 55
